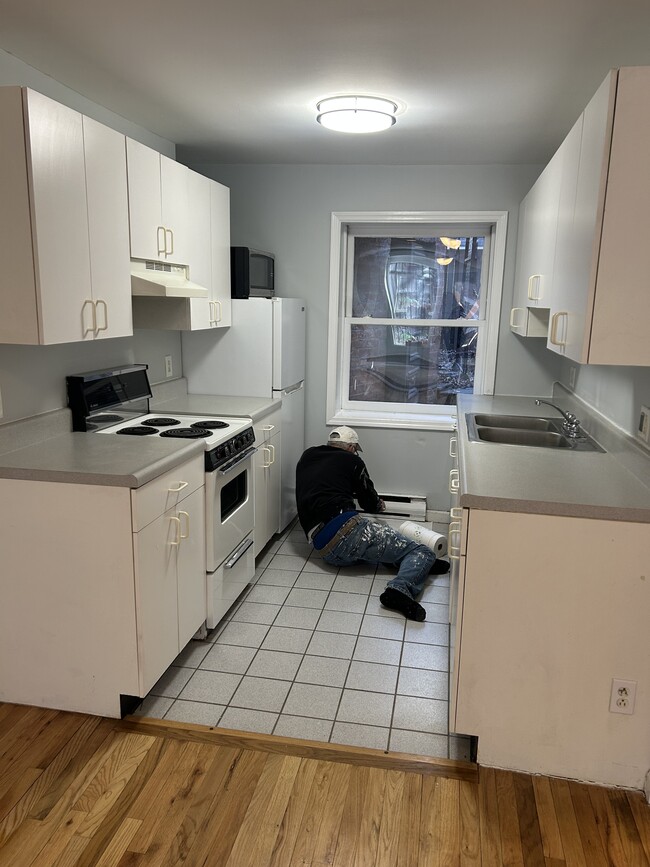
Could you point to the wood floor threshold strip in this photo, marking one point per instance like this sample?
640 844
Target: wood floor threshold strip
453 769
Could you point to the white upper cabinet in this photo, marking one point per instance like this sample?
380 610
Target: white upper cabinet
220 245
169 210
206 249
63 224
600 312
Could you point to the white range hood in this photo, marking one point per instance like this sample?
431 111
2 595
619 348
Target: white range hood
163 280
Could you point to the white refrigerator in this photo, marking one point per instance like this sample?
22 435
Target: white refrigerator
262 354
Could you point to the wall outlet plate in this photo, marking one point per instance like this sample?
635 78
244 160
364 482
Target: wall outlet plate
622 696
169 370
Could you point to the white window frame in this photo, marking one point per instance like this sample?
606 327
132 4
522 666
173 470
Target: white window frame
420 417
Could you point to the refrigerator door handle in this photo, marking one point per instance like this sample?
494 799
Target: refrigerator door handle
294 388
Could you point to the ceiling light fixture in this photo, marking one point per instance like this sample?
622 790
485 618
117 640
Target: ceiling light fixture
445 261
356 113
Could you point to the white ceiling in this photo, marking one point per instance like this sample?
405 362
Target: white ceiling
237 81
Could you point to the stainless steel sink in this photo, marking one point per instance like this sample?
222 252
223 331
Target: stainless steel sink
520 422
516 430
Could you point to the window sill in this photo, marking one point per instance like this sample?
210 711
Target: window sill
398 420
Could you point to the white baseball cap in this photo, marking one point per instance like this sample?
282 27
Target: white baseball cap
345 435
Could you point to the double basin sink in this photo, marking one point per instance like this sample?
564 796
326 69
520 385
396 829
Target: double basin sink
522 430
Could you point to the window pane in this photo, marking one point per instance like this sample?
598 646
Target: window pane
417 278
426 365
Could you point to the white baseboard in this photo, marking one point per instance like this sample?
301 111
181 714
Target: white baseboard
437 517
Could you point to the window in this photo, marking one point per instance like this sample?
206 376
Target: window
414 309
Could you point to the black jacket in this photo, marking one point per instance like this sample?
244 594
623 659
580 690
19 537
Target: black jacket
328 480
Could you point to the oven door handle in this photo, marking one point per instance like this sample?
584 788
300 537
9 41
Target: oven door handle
238 459
238 553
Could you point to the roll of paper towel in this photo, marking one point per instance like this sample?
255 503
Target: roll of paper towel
424 536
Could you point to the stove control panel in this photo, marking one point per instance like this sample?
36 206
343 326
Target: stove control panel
220 454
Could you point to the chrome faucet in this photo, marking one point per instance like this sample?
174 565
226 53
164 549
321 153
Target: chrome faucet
571 423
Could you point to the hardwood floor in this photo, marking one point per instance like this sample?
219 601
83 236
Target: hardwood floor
81 790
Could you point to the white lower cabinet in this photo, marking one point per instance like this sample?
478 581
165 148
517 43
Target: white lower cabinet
268 479
550 609
102 586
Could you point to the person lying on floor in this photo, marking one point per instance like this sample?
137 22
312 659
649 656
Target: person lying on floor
329 478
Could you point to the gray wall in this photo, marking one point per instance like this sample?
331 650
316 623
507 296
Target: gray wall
616 392
287 209
32 378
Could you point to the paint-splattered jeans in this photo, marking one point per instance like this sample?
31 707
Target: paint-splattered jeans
374 542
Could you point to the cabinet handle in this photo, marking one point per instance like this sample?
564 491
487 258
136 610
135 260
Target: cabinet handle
170 251
160 240
187 524
555 321
238 553
513 316
534 280
268 427
453 450
456 513
454 550
267 449
454 481
177 541
93 318
180 487
213 313
219 311
272 447
104 305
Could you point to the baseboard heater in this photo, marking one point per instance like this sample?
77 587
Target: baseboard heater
409 507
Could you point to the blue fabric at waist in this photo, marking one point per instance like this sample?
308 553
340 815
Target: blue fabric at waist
330 529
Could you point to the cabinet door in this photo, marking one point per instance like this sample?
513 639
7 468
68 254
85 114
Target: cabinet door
156 551
197 229
191 566
108 229
541 218
60 219
621 316
145 205
262 533
274 491
220 245
566 254
176 211
583 192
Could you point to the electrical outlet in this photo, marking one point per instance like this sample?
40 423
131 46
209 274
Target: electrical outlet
643 428
169 370
622 696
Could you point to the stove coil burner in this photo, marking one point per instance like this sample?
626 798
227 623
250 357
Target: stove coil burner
139 431
160 422
185 433
209 424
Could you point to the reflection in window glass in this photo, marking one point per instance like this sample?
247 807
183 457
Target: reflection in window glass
437 279
430 365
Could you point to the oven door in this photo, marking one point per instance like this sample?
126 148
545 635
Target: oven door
229 512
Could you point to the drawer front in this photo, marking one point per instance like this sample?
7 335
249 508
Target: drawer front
166 492
227 583
267 427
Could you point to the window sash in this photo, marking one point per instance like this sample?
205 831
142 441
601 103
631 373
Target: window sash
347 226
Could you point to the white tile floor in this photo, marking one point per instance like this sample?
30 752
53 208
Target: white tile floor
308 652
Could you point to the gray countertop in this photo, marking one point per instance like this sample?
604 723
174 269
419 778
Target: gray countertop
91 459
215 404
614 485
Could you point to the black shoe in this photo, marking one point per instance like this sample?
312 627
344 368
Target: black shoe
397 601
440 567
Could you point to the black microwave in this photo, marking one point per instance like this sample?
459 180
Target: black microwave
252 273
